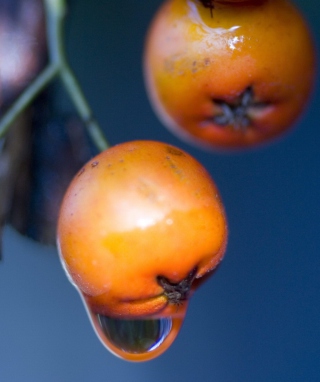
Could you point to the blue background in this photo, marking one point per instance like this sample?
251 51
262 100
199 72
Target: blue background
258 318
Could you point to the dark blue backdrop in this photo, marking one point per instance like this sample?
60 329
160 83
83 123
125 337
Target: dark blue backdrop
258 318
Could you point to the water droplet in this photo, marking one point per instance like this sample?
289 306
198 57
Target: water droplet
135 339
135 336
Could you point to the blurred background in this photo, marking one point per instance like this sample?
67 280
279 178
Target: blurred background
258 318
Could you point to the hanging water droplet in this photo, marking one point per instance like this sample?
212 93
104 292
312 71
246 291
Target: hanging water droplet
135 339
135 336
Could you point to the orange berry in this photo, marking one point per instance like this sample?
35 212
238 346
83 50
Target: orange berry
229 77
138 224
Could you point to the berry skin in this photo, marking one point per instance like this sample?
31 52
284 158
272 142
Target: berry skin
138 224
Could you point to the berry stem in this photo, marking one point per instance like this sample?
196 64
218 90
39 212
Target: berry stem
24 100
57 67
208 4
56 11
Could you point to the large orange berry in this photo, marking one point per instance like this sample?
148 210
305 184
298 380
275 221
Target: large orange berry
139 225
135 213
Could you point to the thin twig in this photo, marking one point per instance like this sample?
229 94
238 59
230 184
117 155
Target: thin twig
56 12
58 66
83 108
24 100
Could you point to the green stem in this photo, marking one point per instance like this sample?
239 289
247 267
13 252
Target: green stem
83 108
27 97
55 12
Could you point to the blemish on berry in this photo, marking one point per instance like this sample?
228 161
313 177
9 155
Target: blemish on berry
81 171
94 164
174 167
174 151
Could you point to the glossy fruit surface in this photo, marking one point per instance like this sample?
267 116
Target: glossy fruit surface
232 78
139 223
135 212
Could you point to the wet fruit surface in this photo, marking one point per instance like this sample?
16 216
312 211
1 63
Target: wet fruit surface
229 77
139 223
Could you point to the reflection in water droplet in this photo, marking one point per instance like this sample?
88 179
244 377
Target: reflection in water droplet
135 336
135 340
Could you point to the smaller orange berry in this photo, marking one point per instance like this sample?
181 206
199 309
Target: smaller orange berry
227 74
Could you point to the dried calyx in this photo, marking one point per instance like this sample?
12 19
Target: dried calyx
237 113
177 292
